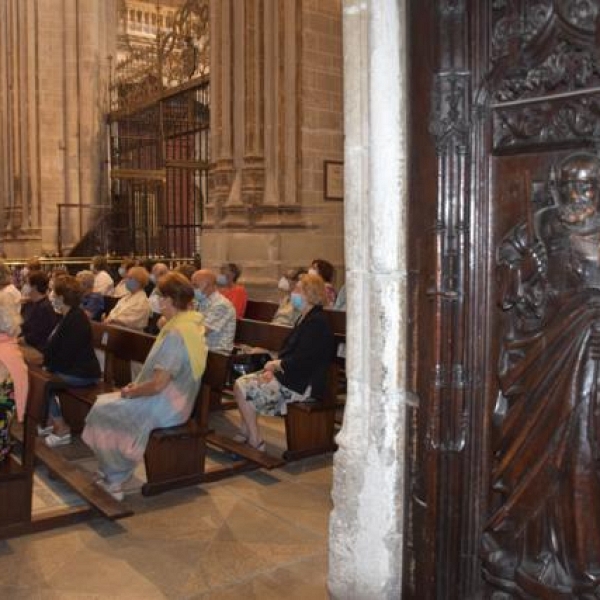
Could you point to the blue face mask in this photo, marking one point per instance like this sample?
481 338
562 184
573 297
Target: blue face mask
131 285
199 295
221 279
122 271
297 301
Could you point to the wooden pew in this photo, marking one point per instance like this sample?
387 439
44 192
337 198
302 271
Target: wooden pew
175 456
121 346
16 477
259 310
309 425
109 303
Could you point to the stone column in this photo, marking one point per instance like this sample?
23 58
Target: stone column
366 526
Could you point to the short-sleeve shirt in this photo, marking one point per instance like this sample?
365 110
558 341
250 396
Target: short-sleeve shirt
219 317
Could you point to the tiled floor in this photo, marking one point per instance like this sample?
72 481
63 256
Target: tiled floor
261 535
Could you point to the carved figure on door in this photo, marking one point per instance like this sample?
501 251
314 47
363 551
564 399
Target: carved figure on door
543 537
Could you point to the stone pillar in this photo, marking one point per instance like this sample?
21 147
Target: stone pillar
53 82
366 526
276 117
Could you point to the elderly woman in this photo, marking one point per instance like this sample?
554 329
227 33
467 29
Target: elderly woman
103 282
299 373
121 288
69 353
163 395
13 371
7 287
286 313
132 310
92 302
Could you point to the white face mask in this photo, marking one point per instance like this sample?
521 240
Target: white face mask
313 271
122 271
284 284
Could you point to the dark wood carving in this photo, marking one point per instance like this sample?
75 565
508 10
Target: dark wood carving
545 62
543 537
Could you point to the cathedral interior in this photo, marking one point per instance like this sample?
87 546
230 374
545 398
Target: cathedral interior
444 157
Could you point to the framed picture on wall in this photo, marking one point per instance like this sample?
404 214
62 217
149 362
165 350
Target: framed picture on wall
333 180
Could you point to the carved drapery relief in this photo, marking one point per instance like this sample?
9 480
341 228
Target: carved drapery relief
543 536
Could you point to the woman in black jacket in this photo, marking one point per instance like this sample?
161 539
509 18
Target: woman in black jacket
299 373
69 353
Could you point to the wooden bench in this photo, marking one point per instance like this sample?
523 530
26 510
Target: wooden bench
175 456
16 477
121 347
109 303
309 425
259 310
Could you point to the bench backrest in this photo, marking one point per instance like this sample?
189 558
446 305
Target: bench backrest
260 310
121 347
337 320
261 334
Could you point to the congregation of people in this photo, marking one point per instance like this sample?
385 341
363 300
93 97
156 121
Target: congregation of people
46 318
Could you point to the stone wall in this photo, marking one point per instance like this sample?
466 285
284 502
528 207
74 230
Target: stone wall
53 92
276 116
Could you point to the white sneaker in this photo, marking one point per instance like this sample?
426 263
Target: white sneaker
44 431
114 489
53 440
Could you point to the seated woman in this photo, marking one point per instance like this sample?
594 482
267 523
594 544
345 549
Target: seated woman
163 395
7 286
132 310
69 353
92 302
231 289
326 270
39 318
299 373
13 372
286 313
121 287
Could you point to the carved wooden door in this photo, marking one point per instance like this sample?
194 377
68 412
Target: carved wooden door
501 91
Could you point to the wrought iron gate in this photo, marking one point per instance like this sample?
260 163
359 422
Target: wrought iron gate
159 172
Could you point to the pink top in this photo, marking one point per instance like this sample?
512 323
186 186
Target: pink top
11 357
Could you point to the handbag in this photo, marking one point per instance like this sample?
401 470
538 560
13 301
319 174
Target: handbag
242 364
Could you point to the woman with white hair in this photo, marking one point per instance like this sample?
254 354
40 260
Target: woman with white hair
13 371
7 287
132 310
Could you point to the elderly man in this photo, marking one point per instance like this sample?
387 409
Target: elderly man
218 312
133 309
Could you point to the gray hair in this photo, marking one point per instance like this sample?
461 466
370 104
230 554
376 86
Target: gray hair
86 279
10 318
